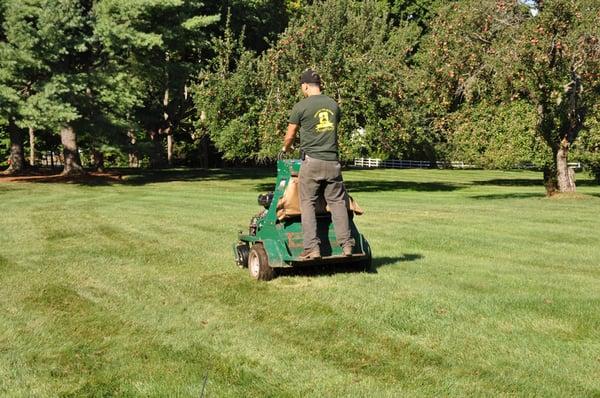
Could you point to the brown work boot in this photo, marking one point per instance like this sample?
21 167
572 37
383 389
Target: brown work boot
347 250
314 254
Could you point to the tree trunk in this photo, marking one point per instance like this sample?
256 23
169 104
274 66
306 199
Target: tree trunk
565 176
558 176
204 161
72 161
134 160
16 159
550 179
31 146
156 159
167 130
97 160
169 146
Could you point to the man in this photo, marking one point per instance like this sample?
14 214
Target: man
317 117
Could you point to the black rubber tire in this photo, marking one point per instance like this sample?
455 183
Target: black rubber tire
258 263
243 250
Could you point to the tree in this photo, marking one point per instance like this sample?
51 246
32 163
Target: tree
162 44
558 53
51 44
498 52
9 100
86 68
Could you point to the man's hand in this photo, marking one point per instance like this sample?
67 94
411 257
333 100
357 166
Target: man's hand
290 136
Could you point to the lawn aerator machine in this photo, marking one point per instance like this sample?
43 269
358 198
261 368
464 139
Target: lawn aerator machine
274 237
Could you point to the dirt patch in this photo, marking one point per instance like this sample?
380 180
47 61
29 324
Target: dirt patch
51 176
569 196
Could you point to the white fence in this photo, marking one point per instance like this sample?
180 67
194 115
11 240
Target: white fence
420 164
408 164
574 165
55 159
51 159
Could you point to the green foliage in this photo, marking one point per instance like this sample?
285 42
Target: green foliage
418 11
50 50
114 156
587 146
157 47
228 102
491 53
259 20
360 58
501 136
99 64
8 95
554 65
45 109
9 100
4 147
52 59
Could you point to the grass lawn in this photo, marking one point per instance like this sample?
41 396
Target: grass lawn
480 286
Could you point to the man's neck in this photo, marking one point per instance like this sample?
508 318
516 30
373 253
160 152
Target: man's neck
313 91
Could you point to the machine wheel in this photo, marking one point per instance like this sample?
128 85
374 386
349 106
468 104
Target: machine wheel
258 263
242 252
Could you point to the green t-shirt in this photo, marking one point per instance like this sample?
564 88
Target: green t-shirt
318 117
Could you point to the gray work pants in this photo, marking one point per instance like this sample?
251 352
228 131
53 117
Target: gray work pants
323 177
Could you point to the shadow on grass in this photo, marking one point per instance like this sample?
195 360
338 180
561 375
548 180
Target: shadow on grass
379 262
378 186
528 182
512 182
340 268
265 187
381 186
137 177
527 195
3 263
150 176
8 188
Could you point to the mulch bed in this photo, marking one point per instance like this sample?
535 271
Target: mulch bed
51 176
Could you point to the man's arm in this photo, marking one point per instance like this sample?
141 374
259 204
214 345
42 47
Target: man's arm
288 141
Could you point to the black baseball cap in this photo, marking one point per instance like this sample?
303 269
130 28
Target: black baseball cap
310 76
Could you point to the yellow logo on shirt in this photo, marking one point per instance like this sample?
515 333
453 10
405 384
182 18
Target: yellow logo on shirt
325 117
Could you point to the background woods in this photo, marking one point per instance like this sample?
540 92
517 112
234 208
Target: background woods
149 84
